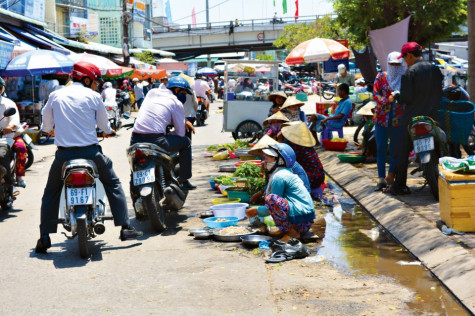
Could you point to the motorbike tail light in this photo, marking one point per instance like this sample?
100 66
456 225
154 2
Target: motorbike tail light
140 155
110 108
79 179
421 128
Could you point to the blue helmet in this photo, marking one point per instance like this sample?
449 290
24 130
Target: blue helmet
179 82
286 153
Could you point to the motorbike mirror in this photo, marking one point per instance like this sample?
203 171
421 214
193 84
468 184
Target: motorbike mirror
9 112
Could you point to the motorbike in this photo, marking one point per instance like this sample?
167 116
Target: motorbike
6 198
201 112
114 116
430 143
154 187
326 90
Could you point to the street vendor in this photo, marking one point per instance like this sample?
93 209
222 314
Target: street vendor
286 199
299 137
291 109
296 168
277 98
273 123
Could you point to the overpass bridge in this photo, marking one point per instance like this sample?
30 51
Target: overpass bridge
222 37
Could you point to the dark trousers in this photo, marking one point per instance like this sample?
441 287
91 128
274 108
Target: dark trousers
172 143
5 162
403 148
189 133
51 197
139 102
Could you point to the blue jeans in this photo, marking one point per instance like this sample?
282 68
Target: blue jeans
172 143
382 135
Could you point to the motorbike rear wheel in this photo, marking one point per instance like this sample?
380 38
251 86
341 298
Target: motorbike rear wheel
156 214
82 238
328 95
248 131
431 174
30 159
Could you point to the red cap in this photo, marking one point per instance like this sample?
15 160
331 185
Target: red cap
408 48
84 69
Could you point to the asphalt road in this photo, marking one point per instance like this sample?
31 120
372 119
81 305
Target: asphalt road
170 274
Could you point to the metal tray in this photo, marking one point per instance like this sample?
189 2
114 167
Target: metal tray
219 237
227 168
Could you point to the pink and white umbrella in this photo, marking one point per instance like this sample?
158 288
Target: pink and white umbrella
317 49
106 66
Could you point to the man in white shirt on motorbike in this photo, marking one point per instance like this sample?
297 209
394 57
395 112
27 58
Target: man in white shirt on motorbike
201 89
74 112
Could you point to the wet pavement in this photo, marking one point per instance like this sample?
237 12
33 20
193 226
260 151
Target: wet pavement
355 243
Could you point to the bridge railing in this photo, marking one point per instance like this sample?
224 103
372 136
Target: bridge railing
255 24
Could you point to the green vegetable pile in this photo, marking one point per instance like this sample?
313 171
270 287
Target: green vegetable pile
255 185
248 170
237 145
224 180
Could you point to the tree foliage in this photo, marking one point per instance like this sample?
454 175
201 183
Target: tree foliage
432 20
145 57
264 57
295 34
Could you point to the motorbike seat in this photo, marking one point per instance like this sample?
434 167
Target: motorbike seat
79 163
150 146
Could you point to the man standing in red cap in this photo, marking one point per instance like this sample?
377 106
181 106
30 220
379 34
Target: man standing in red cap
421 90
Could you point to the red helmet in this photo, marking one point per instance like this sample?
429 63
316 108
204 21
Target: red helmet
83 69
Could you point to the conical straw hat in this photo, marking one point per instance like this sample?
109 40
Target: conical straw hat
279 116
277 94
366 109
264 142
298 133
291 101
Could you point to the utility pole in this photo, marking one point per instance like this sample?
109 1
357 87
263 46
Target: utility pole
125 33
471 48
208 26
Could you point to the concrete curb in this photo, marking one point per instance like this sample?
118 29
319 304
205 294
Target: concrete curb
447 260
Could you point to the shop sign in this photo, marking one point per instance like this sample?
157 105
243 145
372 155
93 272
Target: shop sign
6 50
139 12
78 26
35 9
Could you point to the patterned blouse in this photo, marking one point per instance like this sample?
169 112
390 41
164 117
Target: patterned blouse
381 93
308 158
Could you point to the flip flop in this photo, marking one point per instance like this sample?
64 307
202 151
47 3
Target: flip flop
279 256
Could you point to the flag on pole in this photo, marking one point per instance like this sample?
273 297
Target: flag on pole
284 6
193 18
296 9
274 3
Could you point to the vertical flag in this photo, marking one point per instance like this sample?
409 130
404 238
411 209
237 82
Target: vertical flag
284 6
168 11
193 18
296 9
274 3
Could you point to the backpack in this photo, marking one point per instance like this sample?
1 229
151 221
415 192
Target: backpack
132 97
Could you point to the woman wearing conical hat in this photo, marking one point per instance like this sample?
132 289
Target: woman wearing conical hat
291 109
273 123
277 98
299 137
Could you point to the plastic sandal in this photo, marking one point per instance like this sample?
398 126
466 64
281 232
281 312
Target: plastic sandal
21 183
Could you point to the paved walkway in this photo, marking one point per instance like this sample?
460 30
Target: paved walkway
411 219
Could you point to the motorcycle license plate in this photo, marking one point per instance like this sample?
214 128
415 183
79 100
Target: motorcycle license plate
144 176
27 139
424 144
79 196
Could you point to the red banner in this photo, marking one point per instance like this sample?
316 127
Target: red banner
296 9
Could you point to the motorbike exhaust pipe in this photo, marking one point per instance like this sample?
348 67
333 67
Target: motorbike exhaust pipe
99 228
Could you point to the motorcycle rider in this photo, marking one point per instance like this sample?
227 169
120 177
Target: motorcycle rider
8 124
201 89
74 112
160 109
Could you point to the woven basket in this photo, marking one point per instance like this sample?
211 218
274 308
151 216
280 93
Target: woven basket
457 118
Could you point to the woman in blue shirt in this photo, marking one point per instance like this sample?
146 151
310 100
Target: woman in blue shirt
286 198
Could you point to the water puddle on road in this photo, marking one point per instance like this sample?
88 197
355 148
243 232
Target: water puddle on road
354 243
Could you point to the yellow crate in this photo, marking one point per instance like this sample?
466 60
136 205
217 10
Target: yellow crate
456 202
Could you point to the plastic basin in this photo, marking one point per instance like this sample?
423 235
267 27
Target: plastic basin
338 146
351 158
212 222
220 201
235 192
230 209
213 185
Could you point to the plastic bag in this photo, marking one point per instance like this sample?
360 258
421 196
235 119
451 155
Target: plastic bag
458 165
284 251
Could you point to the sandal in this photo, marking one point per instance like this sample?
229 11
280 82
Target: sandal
21 183
380 186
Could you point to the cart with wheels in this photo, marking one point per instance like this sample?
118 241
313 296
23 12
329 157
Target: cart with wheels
248 85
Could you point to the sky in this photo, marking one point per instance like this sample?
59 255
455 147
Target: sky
229 10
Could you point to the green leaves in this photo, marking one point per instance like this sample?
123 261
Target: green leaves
248 170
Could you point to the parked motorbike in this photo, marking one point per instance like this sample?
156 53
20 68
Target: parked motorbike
326 90
114 116
154 187
201 113
6 198
430 143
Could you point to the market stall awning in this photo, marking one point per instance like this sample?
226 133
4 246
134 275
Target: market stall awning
38 62
7 37
154 51
35 40
21 17
95 47
144 74
47 34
